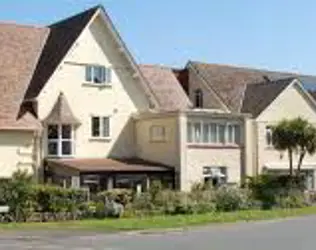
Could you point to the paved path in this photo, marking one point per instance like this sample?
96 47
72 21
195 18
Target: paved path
290 234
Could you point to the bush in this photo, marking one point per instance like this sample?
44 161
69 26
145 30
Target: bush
271 189
232 199
122 196
17 193
54 199
293 199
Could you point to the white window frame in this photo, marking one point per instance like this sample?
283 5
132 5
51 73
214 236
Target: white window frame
234 142
60 141
101 127
107 77
157 133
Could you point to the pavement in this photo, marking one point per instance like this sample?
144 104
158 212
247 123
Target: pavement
287 234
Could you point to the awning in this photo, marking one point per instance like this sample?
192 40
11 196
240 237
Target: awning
108 165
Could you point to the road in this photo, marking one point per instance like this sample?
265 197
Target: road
289 234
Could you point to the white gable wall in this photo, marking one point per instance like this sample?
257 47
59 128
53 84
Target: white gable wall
96 46
291 103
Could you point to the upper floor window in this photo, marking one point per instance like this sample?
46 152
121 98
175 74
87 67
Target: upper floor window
60 140
100 127
215 133
157 133
98 74
198 98
268 135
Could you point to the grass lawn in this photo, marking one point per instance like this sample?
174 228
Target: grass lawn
161 222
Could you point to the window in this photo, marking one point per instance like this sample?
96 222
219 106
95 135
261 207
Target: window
269 136
215 175
157 133
214 133
98 74
233 133
198 98
60 140
100 127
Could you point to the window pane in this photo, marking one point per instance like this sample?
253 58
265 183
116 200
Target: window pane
230 133
213 133
98 74
197 132
66 148
52 131
205 132
106 127
189 132
53 148
237 134
66 131
221 133
108 76
95 126
268 136
88 73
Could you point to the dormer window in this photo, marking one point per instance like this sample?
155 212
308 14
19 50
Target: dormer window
98 75
198 98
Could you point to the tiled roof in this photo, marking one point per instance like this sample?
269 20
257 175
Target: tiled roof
61 113
20 48
165 87
109 165
62 36
258 96
230 82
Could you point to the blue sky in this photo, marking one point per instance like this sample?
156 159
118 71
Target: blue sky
272 34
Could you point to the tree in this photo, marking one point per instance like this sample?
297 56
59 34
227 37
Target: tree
306 143
295 136
283 139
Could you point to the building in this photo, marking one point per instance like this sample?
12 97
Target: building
78 111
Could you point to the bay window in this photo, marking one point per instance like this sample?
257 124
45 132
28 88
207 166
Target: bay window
213 133
60 140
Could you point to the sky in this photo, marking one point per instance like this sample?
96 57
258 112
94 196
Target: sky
269 34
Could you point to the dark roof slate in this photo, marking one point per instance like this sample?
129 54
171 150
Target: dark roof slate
258 96
62 36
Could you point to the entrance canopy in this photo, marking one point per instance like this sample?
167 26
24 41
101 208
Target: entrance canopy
107 165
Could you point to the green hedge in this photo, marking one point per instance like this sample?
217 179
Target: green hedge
25 198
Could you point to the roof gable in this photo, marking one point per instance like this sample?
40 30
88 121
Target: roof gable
230 82
62 36
259 96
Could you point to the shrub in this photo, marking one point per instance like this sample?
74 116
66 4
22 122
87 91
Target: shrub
122 196
54 199
18 195
293 199
232 199
270 189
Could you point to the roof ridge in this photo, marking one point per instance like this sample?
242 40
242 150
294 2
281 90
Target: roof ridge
241 67
273 81
29 26
156 66
66 19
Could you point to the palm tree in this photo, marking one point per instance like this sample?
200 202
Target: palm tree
306 144
283 139
295 136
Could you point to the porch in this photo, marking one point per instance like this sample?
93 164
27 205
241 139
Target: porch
104 174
